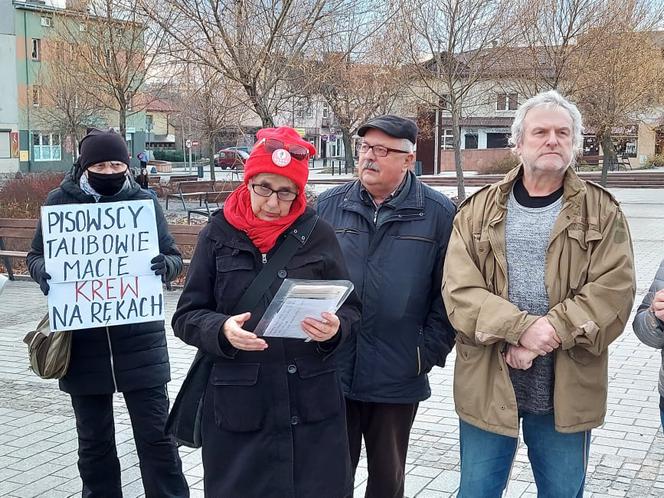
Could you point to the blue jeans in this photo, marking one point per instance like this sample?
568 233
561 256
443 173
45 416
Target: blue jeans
558 460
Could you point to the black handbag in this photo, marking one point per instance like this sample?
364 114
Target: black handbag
184 420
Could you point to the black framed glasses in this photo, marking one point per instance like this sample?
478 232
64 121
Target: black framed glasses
379 150
265 191
297 151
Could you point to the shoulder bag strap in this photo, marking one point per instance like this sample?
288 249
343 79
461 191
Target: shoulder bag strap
297 237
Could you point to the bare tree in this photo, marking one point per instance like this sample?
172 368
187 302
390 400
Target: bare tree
116 49
252 43
462 40
209 103
63 106
554 38
358 72
619 87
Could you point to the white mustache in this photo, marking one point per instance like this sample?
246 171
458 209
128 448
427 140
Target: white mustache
370 165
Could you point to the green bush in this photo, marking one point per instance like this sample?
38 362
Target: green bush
175 156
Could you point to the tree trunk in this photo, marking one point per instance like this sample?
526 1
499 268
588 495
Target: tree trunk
348 149
213 147
259 107
456 141
609 152
123 121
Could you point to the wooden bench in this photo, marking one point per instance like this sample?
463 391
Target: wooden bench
622 162
211 201
11 229
191 190
186 236
24 230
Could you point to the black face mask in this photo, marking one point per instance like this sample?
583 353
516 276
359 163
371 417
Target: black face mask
107 184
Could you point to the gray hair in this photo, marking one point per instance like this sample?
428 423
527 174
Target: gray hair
548 99
407 145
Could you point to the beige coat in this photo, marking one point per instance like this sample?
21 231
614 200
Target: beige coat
590 282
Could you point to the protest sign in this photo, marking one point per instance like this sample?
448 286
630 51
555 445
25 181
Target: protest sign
98 256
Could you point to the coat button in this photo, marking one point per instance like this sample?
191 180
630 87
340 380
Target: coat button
292 369
294 420
282 273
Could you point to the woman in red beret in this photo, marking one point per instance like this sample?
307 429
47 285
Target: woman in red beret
273 417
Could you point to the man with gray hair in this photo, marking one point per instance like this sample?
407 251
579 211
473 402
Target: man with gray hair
393 231
538 281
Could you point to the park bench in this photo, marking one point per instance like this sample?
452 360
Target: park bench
187 190
186 237
211 201
20 230
622 162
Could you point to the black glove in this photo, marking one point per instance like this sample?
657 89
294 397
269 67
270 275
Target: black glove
43 283
159 265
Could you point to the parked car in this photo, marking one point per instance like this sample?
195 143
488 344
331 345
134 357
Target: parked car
230 158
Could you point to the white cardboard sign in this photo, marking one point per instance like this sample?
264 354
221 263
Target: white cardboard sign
98 256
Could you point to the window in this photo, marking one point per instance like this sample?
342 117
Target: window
470 141
46 147
5 150
47 22
447 139
149 122
326 110
36 95
36 49
507 101
497 140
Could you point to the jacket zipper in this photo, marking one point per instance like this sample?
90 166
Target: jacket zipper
419 362
375 219
264 257
110 348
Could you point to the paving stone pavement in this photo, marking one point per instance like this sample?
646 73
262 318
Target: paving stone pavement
38 437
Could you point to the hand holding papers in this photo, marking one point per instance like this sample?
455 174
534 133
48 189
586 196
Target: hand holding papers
300 299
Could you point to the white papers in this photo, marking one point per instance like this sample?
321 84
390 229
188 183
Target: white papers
300 299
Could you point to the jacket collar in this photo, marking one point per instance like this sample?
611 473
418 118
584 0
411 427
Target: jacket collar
413 199
574 188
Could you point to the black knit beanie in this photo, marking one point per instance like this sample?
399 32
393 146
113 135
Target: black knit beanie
99 146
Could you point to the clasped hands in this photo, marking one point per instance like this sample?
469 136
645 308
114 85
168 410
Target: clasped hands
317 330
538 340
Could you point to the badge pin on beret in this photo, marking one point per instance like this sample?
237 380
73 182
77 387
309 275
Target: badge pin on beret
281 157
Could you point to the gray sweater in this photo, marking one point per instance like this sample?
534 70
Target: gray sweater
527 233
647 327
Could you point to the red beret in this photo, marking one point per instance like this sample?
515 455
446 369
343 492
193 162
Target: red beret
285 159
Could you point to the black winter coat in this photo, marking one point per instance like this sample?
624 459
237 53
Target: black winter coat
274 420
396 266
121 357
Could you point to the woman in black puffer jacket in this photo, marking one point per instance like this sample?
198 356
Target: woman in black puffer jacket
132 358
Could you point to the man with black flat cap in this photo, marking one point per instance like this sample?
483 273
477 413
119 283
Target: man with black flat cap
393 231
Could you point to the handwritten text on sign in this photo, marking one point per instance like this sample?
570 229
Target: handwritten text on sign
98 256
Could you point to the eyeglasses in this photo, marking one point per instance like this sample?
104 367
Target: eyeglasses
265 191
297 151
379 150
